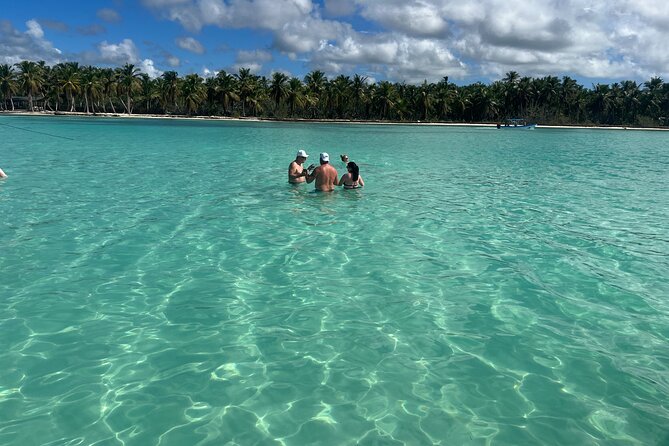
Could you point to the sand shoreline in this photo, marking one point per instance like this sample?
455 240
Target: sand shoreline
304 121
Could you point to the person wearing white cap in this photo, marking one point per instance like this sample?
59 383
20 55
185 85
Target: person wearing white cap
325 175
296 172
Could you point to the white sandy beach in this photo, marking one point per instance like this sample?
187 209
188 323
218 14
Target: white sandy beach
300 120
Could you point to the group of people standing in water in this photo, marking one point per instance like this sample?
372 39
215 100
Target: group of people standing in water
325 175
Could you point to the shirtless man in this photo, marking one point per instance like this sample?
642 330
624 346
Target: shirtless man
325 175
296 172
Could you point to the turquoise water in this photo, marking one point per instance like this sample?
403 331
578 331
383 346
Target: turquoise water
161 283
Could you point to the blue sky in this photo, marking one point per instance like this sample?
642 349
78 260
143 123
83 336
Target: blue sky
399 40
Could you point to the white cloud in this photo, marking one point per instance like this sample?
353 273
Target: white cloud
400 58
190 44
206 73
119 53
309 34
255 14
16 46
34 29
253 60
147 67
412 18
418 39
254 67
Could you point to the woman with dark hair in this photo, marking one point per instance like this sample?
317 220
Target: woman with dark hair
352 179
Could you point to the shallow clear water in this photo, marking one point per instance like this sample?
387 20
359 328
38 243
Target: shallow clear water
160 282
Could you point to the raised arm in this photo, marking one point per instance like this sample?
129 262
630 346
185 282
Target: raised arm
310 177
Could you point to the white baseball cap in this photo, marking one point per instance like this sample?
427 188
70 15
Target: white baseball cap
325 157
302 153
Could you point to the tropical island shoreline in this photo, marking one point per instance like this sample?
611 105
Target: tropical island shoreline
305 120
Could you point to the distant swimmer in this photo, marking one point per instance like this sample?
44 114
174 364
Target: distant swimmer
296 172
325 175
344 158
352 179
3 175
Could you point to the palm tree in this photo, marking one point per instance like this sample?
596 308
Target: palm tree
360 93
245 86
278 88
386 97
601 102
150 92
444 97
211 96
294 95
193 92
526 96
569 92
227 87
511 92
631 101
129 83
548 88
30 78
69 80
652 97
8 84
90 86
51 88
462 102
339 93
424 100
315 83
258 96
108 87
170 90
483 106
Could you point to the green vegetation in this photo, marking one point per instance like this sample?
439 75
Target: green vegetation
546 100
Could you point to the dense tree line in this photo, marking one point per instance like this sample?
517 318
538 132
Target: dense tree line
546 100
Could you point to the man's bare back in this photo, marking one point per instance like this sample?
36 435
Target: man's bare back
325 175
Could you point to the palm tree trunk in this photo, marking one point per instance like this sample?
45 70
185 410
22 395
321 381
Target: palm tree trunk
123 103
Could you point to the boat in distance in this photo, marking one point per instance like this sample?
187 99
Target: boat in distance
517 123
